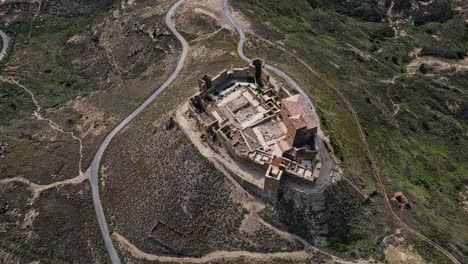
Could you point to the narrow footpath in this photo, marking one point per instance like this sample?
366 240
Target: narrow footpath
360 129
93 170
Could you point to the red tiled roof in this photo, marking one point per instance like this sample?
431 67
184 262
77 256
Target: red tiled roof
300 114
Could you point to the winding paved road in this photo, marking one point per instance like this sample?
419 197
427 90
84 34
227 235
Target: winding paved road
324 177
323 152
5 44
94 168
240 51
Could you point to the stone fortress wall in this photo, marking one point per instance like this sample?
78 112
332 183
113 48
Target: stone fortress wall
222 109
312 212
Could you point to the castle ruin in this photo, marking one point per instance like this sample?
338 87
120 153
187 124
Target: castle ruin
259 123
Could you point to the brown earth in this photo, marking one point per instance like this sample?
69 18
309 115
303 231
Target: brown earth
85 77
59 226
162 178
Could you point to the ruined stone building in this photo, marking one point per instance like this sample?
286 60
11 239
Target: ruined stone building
259 123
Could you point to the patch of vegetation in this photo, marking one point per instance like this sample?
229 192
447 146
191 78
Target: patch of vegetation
419 147
134 104
181 141
15 103
352 242
68 214
435 11
446 40
48 54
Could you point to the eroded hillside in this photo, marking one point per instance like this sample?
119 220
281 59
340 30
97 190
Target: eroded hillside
401 66
397 69
73 70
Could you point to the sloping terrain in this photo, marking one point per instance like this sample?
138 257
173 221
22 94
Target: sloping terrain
160 193
73 69
57 226
407 84
76 68
89 64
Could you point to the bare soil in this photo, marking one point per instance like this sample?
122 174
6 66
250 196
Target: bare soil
164 180
59 226
154 175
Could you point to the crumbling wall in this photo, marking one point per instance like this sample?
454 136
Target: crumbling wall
290 176
264 77
240 74
226 143
283 92
220 79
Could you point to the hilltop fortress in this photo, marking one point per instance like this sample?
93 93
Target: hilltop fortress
260 124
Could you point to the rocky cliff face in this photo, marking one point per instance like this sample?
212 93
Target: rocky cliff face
316 216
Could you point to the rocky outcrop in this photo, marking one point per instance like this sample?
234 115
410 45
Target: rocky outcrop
421 12
127 46
315 216
3 148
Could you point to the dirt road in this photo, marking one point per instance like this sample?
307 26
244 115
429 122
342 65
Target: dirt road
324 177
94 168
358 124
214 256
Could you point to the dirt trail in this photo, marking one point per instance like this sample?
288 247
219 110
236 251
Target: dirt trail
395 105
34 19
37 188
207 36
5 43
251 203
214 256
373 163
37 114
